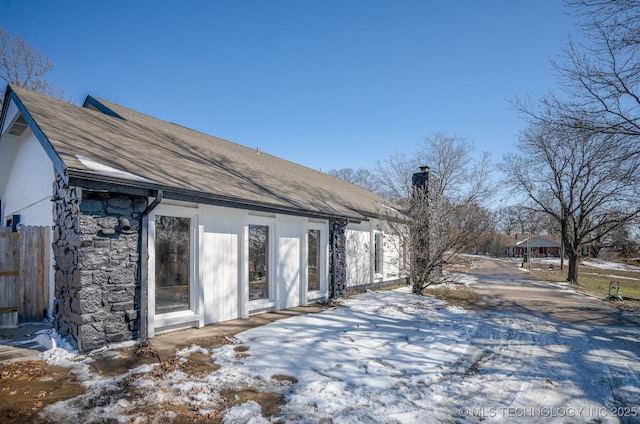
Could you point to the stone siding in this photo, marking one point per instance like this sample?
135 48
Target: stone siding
337 258
97 280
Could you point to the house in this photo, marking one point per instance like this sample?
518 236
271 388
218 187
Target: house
539 246
156 227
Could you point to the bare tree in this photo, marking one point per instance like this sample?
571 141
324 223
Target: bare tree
443 213
602 75
439 230
582 147
394 177
599 75
621 242
361 177
520 219
24 66
586 181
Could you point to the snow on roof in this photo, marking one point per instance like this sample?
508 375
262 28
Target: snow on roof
110 171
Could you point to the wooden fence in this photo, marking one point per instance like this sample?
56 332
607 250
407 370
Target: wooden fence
24 274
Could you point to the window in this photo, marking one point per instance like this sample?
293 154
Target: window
313 277
258 262
173 263
378 253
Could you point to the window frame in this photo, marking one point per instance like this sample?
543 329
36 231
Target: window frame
323 266
256 305
186 317
318 259
378 253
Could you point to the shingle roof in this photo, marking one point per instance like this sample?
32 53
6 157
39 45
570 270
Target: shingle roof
157 154
540 241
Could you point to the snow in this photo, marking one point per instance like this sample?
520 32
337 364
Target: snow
600 264
588 262
248 412
51 340
390 357
110 171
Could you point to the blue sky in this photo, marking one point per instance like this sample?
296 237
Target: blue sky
327 84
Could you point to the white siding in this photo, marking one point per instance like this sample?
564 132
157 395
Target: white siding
27 190
359 255
289 272
221 274
392 257
26 186
290 267
221 280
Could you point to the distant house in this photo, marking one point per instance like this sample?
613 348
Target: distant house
538 246
157 227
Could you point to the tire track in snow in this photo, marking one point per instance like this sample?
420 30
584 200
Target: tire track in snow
493 364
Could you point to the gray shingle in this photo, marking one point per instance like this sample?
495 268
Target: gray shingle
173 157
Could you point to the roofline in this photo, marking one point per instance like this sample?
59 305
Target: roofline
58 163
96 181
5 108
92 101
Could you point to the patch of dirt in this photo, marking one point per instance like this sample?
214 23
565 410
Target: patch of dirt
176 413
116 362
282 378
27 387
457 295
198 364
212 342
241 352
475 367
458 263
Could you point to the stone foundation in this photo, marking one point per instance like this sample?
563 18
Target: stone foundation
97 281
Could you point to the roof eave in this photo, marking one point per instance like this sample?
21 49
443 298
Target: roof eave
97 181
55 158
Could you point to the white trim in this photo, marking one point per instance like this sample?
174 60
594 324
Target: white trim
196 295
306 296
199 262
261 305
377 276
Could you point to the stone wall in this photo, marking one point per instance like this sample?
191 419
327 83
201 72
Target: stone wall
97 281
337 258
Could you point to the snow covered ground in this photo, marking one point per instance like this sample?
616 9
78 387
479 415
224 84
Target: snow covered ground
588 262
390 357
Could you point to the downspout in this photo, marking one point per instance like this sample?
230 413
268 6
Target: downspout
144 268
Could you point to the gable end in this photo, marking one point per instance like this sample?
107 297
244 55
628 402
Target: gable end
58 164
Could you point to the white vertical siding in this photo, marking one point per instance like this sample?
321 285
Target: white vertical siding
222 283
29 186
26 186
392 257
221 274
289 271
290 267
359 255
